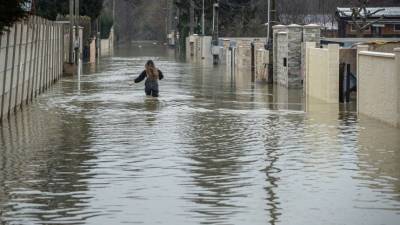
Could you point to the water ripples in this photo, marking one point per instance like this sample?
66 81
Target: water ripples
209 151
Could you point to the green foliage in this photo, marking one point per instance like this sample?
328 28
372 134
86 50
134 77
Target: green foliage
10 12
91 8
106 22
51 8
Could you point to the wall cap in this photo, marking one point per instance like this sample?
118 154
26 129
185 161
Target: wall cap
279 26
377 54
312 26
294 26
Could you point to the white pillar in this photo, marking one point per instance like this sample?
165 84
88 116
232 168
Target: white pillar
359 49
397 58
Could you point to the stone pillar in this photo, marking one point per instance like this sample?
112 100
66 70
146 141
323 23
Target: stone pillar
93 51
226 43
276 30
206 53
397 60
312 33
295 37
282 59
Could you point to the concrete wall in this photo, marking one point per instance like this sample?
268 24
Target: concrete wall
31 59
349 56
244 55
261 61
322 73
92 54
198 48
107 45
379 86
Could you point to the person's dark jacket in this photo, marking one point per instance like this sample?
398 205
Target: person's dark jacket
143 76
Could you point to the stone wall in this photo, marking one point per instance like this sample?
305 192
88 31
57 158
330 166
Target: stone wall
322 73
31 60
379 86
198 48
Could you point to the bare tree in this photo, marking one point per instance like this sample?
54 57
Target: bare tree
361 16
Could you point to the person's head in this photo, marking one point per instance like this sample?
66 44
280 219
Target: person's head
151 70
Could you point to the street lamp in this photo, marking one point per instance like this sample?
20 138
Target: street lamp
215 21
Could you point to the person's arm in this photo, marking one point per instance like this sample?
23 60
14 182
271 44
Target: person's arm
161 75
141 77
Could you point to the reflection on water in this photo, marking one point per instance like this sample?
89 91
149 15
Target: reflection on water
213 149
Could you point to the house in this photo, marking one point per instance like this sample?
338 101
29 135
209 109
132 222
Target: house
387 25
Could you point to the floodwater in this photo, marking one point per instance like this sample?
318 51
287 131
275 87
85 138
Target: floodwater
213 149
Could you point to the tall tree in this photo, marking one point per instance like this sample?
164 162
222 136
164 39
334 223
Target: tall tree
361 17
11 11
50 8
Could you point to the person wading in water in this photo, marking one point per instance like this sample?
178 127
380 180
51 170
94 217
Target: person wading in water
153 75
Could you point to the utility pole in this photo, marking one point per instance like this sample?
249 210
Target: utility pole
215 21
203 21
191 17
272 19
166 13
113 12
77 41
71 34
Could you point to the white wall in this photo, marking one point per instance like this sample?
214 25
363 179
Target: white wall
322 73
379 86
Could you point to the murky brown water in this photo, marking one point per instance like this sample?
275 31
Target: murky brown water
211 150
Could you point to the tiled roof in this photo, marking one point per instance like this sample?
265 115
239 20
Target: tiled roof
387 12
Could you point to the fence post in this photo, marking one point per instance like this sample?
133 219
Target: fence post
42 55
24 80
12 69
17 89
35 61
252 47
3 109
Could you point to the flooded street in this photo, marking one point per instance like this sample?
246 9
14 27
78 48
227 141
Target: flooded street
213 149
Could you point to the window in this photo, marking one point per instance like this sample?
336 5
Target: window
353 28
396 27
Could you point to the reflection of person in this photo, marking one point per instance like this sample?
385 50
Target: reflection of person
153 75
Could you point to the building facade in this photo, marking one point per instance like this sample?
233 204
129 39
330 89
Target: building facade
385 23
